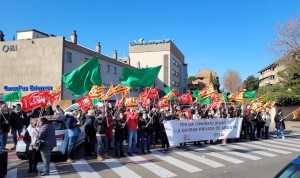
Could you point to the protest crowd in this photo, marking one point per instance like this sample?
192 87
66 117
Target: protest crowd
131 125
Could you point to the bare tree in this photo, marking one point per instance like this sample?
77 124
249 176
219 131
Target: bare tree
287 46
232 81
287 38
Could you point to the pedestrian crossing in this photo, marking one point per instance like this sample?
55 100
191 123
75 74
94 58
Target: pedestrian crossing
175 163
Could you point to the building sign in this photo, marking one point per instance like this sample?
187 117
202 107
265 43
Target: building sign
148 42
27 88
9 48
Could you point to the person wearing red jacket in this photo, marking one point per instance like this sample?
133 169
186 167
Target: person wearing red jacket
132 123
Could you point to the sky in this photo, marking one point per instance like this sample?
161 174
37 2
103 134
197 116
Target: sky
214 34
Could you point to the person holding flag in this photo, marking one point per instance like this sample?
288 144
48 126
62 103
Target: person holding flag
4 126
132 123
279 124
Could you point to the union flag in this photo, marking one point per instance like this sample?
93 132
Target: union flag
185 98
35 100
85 102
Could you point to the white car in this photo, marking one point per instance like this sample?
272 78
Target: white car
61 134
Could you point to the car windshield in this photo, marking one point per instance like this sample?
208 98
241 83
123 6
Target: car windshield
292 171
58 125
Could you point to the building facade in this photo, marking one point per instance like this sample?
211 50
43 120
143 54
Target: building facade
173 73
37 61
204 77
268 75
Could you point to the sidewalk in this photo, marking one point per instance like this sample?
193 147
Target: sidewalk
13 160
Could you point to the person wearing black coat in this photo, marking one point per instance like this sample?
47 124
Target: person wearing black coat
119 135
32 152
18 119
145 125
4 126
90 137
279 124
164 139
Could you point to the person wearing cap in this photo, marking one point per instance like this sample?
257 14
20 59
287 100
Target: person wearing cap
47 136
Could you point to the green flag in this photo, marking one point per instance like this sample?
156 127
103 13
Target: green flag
206 100
250 94
168 90
14 96
195 94
139 77
96 100
80 80
225 97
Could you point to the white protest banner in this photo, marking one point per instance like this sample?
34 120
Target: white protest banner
180 131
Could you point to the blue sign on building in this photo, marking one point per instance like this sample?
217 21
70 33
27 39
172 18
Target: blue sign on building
27 88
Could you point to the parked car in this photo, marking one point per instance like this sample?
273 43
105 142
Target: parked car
61 134
290 170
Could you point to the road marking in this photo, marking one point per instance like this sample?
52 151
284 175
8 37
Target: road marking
233 152
200 159
84 169
217 155
276 146
53 171
12 173
176 162
282 143
296 141
252 151
120 169
160 171
265 148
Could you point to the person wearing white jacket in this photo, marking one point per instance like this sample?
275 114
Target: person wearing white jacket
266 117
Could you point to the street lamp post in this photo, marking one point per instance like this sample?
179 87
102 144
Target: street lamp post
267 84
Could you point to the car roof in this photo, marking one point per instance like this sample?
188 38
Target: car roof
296 161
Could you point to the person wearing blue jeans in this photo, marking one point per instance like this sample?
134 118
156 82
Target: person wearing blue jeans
132 123
145 128
279 124
3 140
4 126
102 144
73 131
132 139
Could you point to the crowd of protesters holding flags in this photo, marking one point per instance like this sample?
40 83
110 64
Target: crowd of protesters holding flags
137 122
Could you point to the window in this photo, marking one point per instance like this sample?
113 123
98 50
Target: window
108 68
68 57
115 70
175 73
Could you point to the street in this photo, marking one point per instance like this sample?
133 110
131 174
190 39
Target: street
243 159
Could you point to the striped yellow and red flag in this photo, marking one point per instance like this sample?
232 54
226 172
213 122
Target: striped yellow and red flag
270 104
55 94
237 96
295 113
207 91
258 100
109 93
96 92
132 102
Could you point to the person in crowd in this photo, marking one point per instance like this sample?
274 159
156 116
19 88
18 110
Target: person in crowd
48 110
196 114
279 124
109 130
32 152
101 125
73 131
59 111
253 122
165 116
47 136
90 133
155 114
260 124
119 135
267 119
245 124
145 125
4 126
132 122
18 121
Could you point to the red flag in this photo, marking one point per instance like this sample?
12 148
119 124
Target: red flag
153 93
144 93
54 97
35 100
85 102
185 98
146 103
118 103
164 102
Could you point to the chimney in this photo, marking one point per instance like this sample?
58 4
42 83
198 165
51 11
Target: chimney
128 60
1 36
115 55
98 47
74 37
